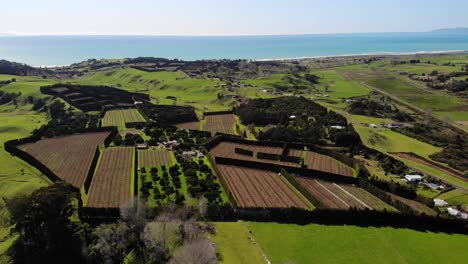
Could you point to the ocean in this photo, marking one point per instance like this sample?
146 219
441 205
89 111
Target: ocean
65 50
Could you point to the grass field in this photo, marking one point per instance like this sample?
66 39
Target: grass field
28 86
418 97
119 118
387 140
455 197
198 92
339 86
236 245
16 177
288 243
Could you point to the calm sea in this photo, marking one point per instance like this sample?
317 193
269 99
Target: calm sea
64 50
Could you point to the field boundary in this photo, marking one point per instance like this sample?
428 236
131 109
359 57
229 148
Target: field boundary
218 173
314 201
277 169
91 170
430 163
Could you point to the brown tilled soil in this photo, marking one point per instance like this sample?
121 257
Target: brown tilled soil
110 187
259 188
69 157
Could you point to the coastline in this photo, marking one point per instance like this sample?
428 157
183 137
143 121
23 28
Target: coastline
322 57
372 54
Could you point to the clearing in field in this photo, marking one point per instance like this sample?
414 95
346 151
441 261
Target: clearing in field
119 118
313 243
224 123
154 158
342 196
111 185
260 188
69 157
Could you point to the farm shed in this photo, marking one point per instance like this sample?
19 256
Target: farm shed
413 178
142 146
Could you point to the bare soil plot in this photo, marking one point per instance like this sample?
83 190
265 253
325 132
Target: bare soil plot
69 157
260 188
341 196
154 158
220 124
111 184
325 163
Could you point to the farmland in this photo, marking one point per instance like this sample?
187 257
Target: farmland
154 158
119 118
313 160
324 163
112 183
313 243
341 196
224 123
69 157
259 188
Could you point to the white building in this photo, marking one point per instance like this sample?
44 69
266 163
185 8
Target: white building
373 125
453 211
413 178
337 127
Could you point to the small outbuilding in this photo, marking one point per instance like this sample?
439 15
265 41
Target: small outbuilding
440 203
189 154
142 146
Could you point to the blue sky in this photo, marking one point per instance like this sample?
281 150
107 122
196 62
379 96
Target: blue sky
228 17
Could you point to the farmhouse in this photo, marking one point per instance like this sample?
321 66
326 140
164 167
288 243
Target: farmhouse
373 126
413 178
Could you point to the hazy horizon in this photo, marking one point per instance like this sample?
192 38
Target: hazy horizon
231 18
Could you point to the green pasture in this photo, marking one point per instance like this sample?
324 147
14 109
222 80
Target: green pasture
387 140
198 92
339 86
16 177
455 197
236 245
313 243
